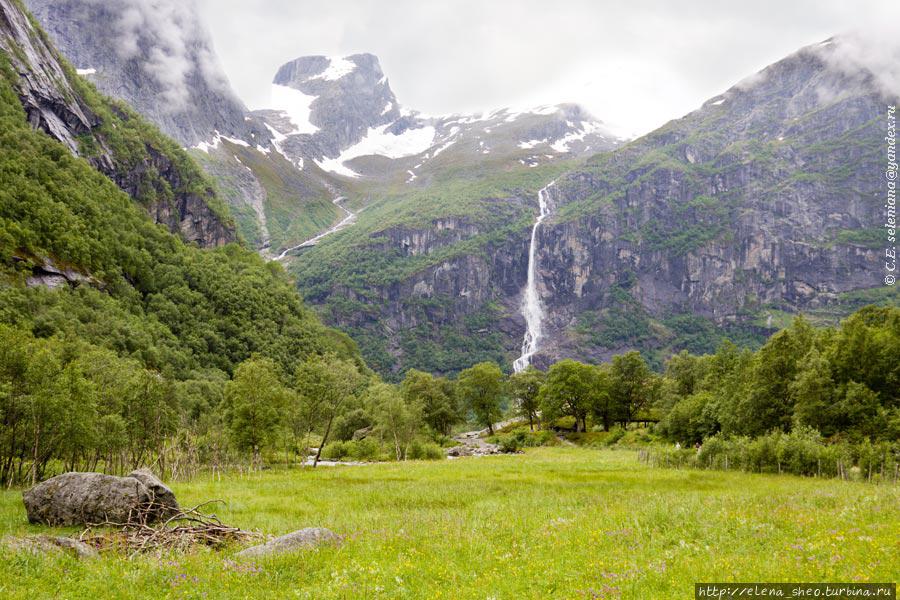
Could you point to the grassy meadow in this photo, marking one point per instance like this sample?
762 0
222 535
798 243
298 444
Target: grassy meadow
557 522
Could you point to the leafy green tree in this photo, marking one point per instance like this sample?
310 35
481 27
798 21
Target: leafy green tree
570 390
865 350
437 397
603 408
324 386
813 394
766 403
525 388
254 402
858 410
691 420
633 386
481 388
396 418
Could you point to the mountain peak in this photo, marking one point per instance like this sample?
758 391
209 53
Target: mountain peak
329 69
335 100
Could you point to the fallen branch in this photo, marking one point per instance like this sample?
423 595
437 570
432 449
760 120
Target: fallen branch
181 531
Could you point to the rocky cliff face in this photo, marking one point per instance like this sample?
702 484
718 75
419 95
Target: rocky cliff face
152 171
157 57
764 200
763 203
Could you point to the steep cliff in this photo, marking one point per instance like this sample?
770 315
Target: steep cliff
763 203
765 200
155 56
150 168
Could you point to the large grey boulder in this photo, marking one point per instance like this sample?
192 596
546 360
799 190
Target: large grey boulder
94 498
299 540
164 502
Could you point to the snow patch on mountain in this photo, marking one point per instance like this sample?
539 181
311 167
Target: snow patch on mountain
587 127
296 105
380 142
531 144
86 71
338 68
277 139
217 139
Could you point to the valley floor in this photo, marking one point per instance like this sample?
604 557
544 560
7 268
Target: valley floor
554 523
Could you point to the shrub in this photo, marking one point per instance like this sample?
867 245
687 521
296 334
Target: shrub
425 451
363 450
615 434
335 451
509 443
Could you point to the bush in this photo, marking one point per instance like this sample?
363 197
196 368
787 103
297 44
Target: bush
363 450
615 434
509 444
425 451
335 451
346 425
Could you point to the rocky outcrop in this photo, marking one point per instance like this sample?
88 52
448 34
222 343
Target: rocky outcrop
50 275
304 539
94 498
48 98
156 57
188 212
53 103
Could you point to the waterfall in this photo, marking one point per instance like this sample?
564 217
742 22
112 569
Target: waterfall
532 309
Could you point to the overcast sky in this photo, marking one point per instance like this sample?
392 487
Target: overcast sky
633 63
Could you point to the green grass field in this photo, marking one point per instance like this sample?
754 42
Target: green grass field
553 523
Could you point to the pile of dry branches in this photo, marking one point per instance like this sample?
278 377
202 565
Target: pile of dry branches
180 531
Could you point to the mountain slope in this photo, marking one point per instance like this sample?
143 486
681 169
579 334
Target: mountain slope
764 201
149 167
81 260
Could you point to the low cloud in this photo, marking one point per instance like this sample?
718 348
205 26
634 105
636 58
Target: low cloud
877 50
169 41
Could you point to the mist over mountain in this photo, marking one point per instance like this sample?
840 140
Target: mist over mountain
156 56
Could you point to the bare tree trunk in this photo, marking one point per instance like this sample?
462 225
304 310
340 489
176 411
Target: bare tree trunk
324 441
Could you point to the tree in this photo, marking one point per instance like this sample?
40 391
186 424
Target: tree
254 400
481 389
690 421
570 390
602 406
395 418
324 384
812 392
437 397
633 386
767 405
524 388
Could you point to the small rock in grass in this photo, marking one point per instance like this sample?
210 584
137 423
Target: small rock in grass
311 537
46 544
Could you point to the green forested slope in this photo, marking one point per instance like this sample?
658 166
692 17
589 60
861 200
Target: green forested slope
174 306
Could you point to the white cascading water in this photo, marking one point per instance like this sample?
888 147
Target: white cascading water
532 308
349 218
